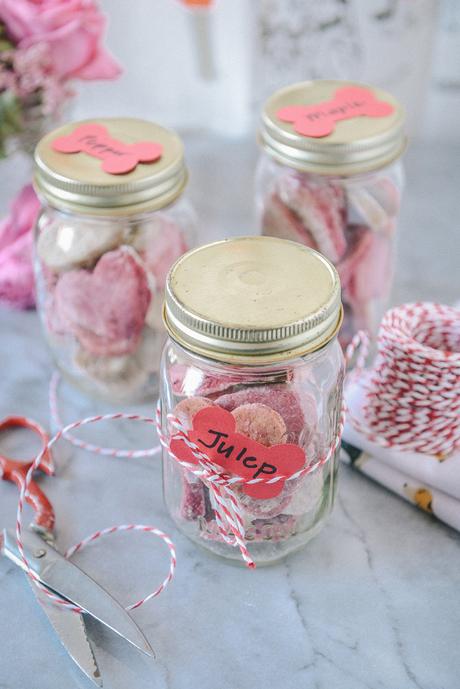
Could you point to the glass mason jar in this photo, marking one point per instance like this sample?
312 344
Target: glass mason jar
113 221
330 177
252 325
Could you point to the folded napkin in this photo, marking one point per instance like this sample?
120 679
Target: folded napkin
425 480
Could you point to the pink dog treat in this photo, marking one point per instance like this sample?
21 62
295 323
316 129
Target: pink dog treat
186 409
105 321
164 250
274 529
261 423
365 272
387 194
280 221
277 397
190 380
321 207
193 504
368 210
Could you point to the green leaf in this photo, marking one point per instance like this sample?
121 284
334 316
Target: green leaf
10 118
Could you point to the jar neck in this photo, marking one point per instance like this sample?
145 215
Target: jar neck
393 168
242 369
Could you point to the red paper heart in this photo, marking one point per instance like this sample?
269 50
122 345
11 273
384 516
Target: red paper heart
214 433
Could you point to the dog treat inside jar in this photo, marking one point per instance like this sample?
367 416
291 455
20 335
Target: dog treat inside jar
114 220
252 373
330 177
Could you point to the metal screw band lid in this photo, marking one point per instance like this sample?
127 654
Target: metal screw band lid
76 181
252 300
356 145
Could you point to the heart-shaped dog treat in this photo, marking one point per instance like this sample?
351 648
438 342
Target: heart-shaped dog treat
105 309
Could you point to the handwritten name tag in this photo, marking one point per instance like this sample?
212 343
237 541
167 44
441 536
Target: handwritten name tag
319 120
214 433
117 157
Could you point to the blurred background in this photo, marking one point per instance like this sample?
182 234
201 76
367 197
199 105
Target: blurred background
212 67
205 67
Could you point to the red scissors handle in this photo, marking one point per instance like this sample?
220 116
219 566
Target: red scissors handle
16 471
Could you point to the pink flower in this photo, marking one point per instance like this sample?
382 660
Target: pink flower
17 287
72 29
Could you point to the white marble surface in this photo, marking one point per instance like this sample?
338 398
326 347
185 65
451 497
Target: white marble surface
373 602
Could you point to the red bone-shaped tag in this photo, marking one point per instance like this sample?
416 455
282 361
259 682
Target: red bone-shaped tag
117 157
214 433
319 120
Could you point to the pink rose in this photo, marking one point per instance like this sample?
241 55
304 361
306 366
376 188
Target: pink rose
72 29
17 287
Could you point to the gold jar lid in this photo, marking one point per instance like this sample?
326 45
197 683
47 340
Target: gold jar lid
356 144
252 300
72 178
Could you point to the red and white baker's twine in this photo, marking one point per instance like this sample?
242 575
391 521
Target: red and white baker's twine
412 393
83 444
98 534
228 513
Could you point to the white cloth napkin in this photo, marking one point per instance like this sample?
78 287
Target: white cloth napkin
424 480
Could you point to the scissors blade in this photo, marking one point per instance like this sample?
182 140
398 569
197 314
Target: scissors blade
70 628
70 582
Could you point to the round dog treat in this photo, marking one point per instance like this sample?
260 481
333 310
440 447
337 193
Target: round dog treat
279 398
63 246
261 423
117 376
186 409
106 322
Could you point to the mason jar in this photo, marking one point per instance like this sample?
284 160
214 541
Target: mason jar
330 177
114 219
253 372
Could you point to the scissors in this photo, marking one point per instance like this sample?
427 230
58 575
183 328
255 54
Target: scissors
58 574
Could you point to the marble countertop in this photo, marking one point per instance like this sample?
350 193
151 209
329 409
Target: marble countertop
373 602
